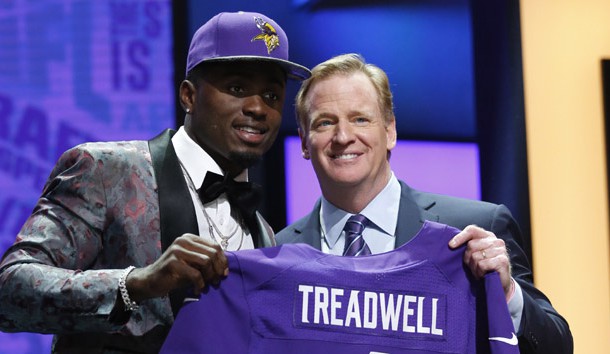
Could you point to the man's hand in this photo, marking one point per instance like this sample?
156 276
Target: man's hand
485 253
189 260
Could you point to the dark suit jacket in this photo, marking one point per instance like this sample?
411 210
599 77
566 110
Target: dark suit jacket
543 330
105 206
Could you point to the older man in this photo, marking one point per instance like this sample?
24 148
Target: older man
347 130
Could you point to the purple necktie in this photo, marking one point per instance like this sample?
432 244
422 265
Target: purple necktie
354 243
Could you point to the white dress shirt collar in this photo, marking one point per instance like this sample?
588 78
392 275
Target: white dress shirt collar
382 211
196 161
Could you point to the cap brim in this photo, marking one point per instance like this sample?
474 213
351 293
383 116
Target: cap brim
293 70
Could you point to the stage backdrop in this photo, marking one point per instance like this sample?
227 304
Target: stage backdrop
74 71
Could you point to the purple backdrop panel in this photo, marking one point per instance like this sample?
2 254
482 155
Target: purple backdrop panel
73 71
439 167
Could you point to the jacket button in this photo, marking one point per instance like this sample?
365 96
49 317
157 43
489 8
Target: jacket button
533 339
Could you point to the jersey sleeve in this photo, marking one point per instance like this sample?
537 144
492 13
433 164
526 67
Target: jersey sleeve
502 338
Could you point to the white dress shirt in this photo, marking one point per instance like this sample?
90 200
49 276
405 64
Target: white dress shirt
382 213
196 163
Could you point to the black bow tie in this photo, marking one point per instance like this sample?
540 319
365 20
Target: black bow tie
246 196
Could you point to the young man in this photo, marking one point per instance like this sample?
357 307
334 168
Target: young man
122 225
347 129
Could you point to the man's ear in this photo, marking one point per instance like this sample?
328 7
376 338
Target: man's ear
187 95
391 134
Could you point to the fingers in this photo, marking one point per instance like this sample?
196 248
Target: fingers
206 258
189 261
492 259
484 253
470 232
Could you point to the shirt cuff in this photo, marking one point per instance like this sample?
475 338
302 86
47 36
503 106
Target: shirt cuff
515 305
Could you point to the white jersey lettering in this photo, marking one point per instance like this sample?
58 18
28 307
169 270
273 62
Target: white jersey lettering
369 310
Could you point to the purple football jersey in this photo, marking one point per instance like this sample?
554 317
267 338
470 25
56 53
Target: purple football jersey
416 299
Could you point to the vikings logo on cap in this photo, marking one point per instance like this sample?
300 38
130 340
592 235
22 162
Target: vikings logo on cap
268 34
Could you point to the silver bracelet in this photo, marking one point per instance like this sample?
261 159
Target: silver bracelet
129 305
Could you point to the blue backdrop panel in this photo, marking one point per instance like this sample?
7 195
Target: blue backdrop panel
425 47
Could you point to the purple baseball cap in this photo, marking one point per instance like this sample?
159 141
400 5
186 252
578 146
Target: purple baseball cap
243 36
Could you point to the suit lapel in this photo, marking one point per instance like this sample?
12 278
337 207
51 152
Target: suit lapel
177 217
308 231
411 215
176 211
264 235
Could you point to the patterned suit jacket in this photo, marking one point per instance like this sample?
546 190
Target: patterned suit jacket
105 206
543 330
